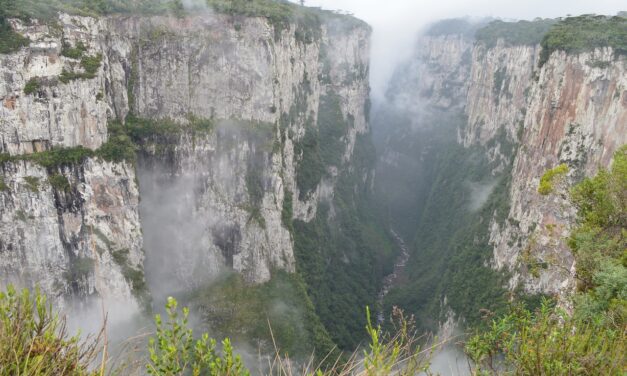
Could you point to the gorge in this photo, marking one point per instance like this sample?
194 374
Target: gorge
228 154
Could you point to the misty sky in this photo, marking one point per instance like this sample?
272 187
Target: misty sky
396 22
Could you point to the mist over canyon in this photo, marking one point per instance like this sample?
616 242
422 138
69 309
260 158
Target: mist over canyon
278 168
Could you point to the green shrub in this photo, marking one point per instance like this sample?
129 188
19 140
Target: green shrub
32 86
59 182
59 157
90 65
32 183
287 211
34 339
592 340
174 351
585 33
145 130
550 178
277 12
54 158
75 52
599 242
119 146
3 186
548 342
10 41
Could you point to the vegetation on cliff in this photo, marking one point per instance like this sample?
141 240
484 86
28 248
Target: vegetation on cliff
278 13
592 339
514 33
552 177
585 33
454 26
10 41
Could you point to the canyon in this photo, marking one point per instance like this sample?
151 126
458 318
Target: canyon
144 156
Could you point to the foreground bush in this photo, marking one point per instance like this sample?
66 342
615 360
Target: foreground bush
34 340
547 342
174 351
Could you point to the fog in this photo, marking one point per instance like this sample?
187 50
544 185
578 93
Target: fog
396 22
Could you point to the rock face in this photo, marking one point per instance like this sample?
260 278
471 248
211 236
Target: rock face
73 241
572 110
259 85
577 115
527 119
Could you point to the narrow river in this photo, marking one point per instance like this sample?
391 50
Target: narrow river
392 279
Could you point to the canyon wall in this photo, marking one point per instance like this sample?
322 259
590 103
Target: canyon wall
527 119
75 226
470 125
576 114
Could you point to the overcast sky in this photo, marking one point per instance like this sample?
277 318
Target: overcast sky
396 22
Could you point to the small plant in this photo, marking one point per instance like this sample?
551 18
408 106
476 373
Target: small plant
60 157
397 353
75 52
59 182
549 179
32 86
90 65
32 183
119 147
174 351
3 186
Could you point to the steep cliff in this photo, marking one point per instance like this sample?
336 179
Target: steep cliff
576 115
219 107
516 112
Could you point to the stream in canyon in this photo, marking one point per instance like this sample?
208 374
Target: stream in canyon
392 279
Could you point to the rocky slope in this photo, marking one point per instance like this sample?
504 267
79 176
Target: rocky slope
257 88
